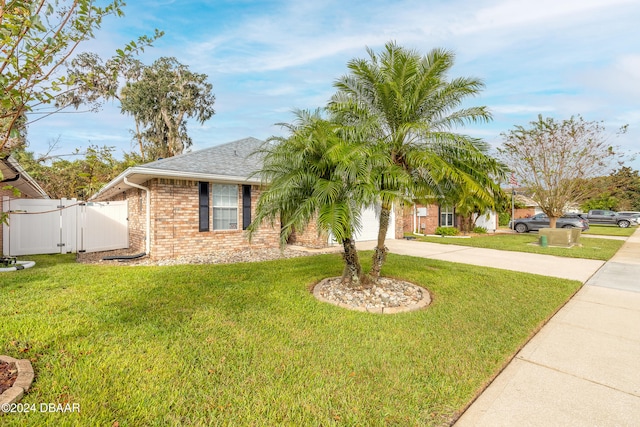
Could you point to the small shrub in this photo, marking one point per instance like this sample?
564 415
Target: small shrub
479 230
447 231
503 219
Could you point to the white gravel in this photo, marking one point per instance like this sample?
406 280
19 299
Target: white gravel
218 257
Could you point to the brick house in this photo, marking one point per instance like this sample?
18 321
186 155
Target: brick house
13 175
527 207
198 202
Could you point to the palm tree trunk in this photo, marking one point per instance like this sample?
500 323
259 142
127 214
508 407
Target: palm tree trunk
380 252
352 273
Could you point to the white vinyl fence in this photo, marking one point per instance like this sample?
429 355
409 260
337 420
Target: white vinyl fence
488 220
42 226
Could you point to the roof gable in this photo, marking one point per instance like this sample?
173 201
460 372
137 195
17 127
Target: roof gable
233 162
234 158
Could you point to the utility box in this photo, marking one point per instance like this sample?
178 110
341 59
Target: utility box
563 237
575 236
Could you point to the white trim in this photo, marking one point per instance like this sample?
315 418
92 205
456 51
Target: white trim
143 174
234 206
447 210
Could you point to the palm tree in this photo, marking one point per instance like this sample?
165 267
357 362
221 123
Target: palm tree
480 171
315 174
410 110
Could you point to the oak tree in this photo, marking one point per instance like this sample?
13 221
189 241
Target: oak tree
161 100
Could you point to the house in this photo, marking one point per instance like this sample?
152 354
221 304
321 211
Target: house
200 202
425 219
527 207
13 176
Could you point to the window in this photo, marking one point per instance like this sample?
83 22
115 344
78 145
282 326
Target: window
203 206
446 216
225 207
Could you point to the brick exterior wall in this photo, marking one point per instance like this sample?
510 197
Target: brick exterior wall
425 224
524 212
309 237
136 206
175 221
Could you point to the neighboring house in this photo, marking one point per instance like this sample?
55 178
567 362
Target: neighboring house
198 202
13 175
425 219
528 207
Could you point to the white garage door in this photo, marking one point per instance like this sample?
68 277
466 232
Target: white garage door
371 223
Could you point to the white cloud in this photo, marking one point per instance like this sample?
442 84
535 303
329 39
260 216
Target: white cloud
519 14
522 108
631 116
620 78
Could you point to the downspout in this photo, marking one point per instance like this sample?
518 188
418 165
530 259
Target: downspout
148 232
415 215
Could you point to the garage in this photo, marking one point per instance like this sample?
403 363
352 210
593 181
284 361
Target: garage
370 223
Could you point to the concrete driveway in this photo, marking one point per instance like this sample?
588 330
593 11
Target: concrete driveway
546 265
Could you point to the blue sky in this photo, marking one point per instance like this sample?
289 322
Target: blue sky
557 58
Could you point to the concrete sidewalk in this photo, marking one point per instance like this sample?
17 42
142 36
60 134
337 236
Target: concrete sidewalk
583 367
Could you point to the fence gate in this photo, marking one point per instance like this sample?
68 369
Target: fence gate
103 226
44 226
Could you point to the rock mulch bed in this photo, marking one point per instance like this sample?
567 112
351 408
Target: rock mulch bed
218 257
386 296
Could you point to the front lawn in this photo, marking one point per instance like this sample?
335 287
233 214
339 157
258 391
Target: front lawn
610 230
248 344
594 248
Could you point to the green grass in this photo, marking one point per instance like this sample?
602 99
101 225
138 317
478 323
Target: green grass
594 248
609 230
248 344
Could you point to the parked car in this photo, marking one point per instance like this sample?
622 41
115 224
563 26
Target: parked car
632 214
607 217
577 214
536 222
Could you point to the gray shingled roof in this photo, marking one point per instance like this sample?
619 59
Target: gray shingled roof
233 159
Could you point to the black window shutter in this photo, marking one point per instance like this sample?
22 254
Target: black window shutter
203 206
246 206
